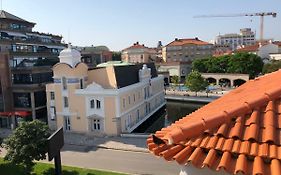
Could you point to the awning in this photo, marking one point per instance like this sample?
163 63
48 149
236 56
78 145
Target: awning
15 34
15 113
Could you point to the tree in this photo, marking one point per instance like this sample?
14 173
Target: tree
200 65
27 143
246 63
116 56
195 82
272 66
175 80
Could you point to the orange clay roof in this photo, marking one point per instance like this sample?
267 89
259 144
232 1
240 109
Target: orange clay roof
136 46
239 132
180 42
251 48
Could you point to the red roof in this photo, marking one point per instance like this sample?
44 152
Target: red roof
136 46
252 48
239 132
180 42
16 113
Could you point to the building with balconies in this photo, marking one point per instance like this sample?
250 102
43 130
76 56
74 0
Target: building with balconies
113 98
25 65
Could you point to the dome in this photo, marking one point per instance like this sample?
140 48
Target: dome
70 56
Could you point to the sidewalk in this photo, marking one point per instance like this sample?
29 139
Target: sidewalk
135 144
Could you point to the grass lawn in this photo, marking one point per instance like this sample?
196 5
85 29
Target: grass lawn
7 168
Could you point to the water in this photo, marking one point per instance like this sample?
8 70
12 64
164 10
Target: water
172 112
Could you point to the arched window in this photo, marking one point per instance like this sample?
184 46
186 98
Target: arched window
92 104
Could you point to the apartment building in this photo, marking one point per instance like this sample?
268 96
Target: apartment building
185 50
26 59
139 53
179 54
110 99
246 37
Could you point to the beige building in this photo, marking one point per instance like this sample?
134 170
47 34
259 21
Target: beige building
186 50
138 53
108 100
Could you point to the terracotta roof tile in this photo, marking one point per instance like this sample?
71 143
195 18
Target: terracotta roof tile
195 41
237 133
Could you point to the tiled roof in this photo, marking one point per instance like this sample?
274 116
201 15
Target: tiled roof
180 42
136 46
239 132
252 48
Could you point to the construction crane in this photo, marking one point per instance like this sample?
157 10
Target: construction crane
261 14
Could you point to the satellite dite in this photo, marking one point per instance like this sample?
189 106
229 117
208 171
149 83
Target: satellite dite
55 143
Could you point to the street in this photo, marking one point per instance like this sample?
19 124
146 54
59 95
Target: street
116 160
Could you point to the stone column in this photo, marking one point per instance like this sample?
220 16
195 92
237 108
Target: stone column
33 105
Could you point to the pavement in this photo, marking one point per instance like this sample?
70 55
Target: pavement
119 154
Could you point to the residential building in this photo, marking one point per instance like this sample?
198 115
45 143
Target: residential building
261 49
237 134
186 50
179 54
246 37
103 100
26 59
138 53
95 55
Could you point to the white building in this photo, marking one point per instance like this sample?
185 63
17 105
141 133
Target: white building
246 37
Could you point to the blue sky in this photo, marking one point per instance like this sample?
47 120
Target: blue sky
119 23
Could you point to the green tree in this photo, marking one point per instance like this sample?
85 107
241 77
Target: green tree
272 66
245 63
116 56
27 143
200 65
175 80
195 82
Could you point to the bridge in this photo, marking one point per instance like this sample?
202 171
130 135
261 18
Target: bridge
226 79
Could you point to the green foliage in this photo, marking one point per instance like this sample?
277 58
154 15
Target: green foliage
245 63
8 168
175 79
195 82
116 56
27 143
271 67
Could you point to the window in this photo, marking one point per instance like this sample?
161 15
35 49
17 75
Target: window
92 104
129 99
53 113
96 124
64 85
139 95
67 124
134 97
98 104
138 115
124 102
52 94
65 101
81 84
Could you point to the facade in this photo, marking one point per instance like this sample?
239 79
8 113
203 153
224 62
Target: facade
238 133
261 49
26 59
108 100
186 50
246 37
92 56
180 69
138 53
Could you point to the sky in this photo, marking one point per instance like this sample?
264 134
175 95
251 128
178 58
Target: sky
119 23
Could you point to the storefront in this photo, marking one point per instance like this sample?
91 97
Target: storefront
11 120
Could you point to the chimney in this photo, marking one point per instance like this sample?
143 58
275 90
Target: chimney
260 44
137 43
196 38
176 39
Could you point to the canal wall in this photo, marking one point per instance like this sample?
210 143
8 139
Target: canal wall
195 99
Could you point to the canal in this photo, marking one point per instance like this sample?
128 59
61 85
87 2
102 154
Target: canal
173 111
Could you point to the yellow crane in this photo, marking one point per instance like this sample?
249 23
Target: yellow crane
261 15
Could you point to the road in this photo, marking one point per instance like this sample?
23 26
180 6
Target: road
115 160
